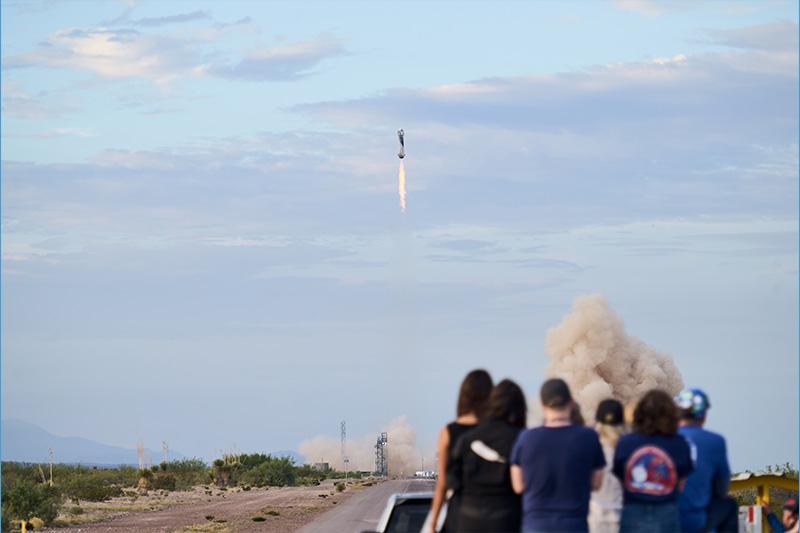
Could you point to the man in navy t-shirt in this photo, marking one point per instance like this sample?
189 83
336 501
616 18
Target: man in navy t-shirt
704 503
556 466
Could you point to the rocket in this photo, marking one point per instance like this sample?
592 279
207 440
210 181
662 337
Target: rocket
402 153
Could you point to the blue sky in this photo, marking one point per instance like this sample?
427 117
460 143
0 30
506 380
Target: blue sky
201 232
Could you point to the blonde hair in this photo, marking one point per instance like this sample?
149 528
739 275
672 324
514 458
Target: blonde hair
629 408
609 434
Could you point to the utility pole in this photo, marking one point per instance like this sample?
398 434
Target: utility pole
345 459
50 460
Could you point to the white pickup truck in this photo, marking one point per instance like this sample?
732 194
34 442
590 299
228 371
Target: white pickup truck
405 513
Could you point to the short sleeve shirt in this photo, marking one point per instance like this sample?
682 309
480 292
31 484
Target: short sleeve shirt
557 465
651 466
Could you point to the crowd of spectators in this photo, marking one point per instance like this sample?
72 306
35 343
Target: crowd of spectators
650 467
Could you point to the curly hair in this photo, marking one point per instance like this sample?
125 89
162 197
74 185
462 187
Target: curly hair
507 402
474 393
655 414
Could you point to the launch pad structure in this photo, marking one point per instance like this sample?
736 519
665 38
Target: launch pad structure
381 457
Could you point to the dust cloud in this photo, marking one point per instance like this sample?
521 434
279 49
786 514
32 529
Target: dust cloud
593 353
403 455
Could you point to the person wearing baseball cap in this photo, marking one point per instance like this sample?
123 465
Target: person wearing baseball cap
605 506
788 522
556 466
704 503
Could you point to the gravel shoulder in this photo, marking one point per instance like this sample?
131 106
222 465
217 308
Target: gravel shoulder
275 509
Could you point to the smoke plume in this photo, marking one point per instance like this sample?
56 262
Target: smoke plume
593 353
403 456
401 186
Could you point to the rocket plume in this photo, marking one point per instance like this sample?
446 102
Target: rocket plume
401 186
593 353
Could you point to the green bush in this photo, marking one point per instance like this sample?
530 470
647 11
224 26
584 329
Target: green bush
26 499
252 460
189 473
76 510
164 481
88 487
275 471
340 487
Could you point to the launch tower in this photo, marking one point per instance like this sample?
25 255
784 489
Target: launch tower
381 459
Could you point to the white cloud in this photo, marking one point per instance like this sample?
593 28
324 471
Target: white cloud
238 241
772 36
287 62
162 58
19 103
110 53
172 19
50 133
653 8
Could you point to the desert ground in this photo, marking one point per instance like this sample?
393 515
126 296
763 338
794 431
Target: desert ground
212 510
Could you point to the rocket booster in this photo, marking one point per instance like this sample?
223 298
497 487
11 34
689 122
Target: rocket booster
402 153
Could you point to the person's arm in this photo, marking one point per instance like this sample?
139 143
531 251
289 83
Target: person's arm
517 480
618 463
597 478
722 478
599 462
686 465
441 481
774 523
455 466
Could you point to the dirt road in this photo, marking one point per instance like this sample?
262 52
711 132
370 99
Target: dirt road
276 510
363 510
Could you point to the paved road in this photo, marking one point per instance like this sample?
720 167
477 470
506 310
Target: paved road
363 510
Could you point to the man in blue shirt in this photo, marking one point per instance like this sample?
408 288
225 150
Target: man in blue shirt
788 522
556 466
704 503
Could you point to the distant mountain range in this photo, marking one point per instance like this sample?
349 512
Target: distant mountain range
28 443
24 442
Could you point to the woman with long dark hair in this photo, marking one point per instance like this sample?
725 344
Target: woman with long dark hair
652 464
472 397
480 471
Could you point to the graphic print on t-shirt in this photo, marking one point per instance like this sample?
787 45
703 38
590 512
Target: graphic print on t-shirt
650 470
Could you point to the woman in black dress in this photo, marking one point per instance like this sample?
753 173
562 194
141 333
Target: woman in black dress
472 397
480 471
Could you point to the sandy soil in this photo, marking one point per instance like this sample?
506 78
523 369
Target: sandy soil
282 509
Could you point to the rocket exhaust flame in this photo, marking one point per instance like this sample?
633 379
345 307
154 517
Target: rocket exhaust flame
401 186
